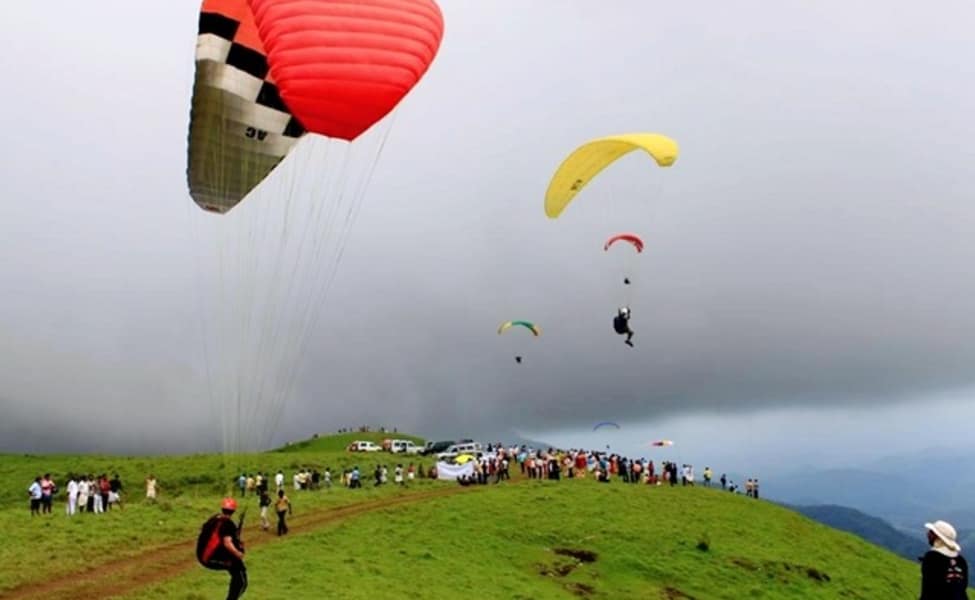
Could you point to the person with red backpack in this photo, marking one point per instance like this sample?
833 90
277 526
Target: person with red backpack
220 548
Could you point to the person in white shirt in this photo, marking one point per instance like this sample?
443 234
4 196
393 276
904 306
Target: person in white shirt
296 480
73 490
398 474
35 497
151 487
279 480
84 491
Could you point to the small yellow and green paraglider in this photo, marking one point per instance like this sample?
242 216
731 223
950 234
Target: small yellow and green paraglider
535 329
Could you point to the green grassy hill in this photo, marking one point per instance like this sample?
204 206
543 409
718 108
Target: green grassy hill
572 539
519 539
189 487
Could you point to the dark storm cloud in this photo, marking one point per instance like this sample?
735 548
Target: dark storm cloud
810 247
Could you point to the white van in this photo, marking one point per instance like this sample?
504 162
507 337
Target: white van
403 447
360 446
472 448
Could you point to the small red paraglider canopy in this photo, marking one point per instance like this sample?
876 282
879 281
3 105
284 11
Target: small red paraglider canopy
625 237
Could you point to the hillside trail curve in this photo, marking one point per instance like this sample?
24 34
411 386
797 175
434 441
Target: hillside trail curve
160 563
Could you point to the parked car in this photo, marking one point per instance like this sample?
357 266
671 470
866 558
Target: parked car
361 446
403 447
435 447
472 448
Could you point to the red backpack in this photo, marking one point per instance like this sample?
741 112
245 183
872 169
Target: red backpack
209 540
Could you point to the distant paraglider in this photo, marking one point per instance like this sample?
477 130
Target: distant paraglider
606 425
662 443
526 324
535 329
634 241
631 238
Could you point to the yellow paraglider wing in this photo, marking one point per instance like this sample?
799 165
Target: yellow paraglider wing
589 159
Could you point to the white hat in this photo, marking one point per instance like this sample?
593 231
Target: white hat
946 533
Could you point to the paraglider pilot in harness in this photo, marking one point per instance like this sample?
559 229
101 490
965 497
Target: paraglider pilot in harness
220 548
621 323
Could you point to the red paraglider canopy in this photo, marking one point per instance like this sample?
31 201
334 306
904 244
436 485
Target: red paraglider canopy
625 237
342 66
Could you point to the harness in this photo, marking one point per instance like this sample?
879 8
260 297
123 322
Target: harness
209 542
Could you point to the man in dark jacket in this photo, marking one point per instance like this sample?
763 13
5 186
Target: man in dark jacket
621 325
219 548
944 571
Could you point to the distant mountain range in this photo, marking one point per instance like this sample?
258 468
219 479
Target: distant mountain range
906 490
872 529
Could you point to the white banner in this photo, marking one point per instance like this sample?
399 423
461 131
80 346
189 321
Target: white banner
449 471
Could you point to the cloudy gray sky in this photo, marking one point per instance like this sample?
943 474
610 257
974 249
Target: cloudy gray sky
808 257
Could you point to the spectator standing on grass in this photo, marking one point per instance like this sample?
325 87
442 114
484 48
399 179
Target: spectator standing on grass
72 488
47 493
115 488
104 488
944 571
151 488
35 493
96 496
84 494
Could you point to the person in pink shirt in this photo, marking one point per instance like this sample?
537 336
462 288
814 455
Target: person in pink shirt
47 493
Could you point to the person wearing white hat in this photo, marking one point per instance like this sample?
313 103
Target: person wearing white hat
944 571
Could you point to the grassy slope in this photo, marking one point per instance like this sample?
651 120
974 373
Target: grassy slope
189 489
499 543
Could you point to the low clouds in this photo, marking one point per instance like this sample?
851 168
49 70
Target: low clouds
811 247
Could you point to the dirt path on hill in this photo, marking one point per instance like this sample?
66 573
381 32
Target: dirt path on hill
120 577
